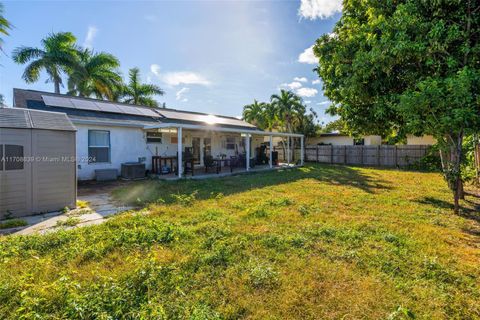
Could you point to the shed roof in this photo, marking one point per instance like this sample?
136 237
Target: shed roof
86 109
17 118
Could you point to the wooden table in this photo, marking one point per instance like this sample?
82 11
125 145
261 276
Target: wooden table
158 162
226 163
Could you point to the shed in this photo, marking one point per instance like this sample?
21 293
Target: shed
37 162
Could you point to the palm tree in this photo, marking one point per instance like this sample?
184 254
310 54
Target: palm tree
95 74
254 113
289 109
138 93
4 25
57 56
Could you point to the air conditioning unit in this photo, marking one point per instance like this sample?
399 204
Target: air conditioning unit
133 170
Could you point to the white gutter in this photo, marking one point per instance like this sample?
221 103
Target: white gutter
107 123
220 129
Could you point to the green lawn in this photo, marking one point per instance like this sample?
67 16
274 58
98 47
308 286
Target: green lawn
319 242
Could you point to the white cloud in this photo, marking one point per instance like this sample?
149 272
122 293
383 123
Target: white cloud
307 92
308 101
323 103
91 33
307 56
314 9
179 77
292 85
180 94
318 81
302 79
155 69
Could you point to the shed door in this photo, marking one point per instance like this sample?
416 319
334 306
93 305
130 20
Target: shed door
15 172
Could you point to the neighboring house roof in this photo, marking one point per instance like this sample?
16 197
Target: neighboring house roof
32 119
333 134
88 110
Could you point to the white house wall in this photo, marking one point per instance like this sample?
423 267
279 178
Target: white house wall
129 144
126 145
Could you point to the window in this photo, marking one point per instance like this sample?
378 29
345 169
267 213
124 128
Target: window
154 137
230 143
98 146
13 157
359 142
174 140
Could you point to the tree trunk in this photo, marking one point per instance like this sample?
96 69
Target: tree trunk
451 155
457 178
57 86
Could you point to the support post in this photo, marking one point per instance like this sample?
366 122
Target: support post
302 154
247 147
271 152
179 152
288 150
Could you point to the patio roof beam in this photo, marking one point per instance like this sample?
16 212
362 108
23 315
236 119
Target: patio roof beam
221 129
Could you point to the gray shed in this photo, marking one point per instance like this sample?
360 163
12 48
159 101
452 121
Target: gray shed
37 162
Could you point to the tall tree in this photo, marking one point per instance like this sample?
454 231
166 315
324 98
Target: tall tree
254 113
95 74
410 66
57 56
138 93
288 108
4 25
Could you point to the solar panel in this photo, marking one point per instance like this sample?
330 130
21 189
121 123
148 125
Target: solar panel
108 107
149 112
203 118
57 101
85 104
130 110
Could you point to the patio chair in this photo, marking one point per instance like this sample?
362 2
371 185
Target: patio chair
211 163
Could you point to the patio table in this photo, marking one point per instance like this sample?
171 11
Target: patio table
225 162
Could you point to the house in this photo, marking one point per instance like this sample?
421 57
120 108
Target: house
422 140
110 134
338 139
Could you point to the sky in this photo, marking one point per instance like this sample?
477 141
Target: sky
208 56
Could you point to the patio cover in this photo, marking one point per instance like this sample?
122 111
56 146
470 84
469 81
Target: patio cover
245 131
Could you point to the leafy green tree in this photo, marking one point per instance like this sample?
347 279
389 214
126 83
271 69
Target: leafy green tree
288 107
255 113
95 74
408 66
138 93
57 56
4 25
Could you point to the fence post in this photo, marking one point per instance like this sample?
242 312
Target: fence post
378 155
344 154
316 159
361 155
331 154
395 154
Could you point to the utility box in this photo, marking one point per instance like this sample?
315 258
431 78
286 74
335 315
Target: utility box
133 170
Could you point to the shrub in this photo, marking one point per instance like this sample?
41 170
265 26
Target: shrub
13 223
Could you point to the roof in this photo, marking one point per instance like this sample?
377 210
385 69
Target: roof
81 109
17 118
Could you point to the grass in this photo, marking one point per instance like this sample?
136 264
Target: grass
319 242
12 223
69 222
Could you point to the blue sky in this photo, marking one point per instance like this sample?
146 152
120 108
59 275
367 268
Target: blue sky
209 56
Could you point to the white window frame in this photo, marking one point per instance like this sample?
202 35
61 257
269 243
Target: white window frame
90 159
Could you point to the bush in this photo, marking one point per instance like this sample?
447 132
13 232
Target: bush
13 223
